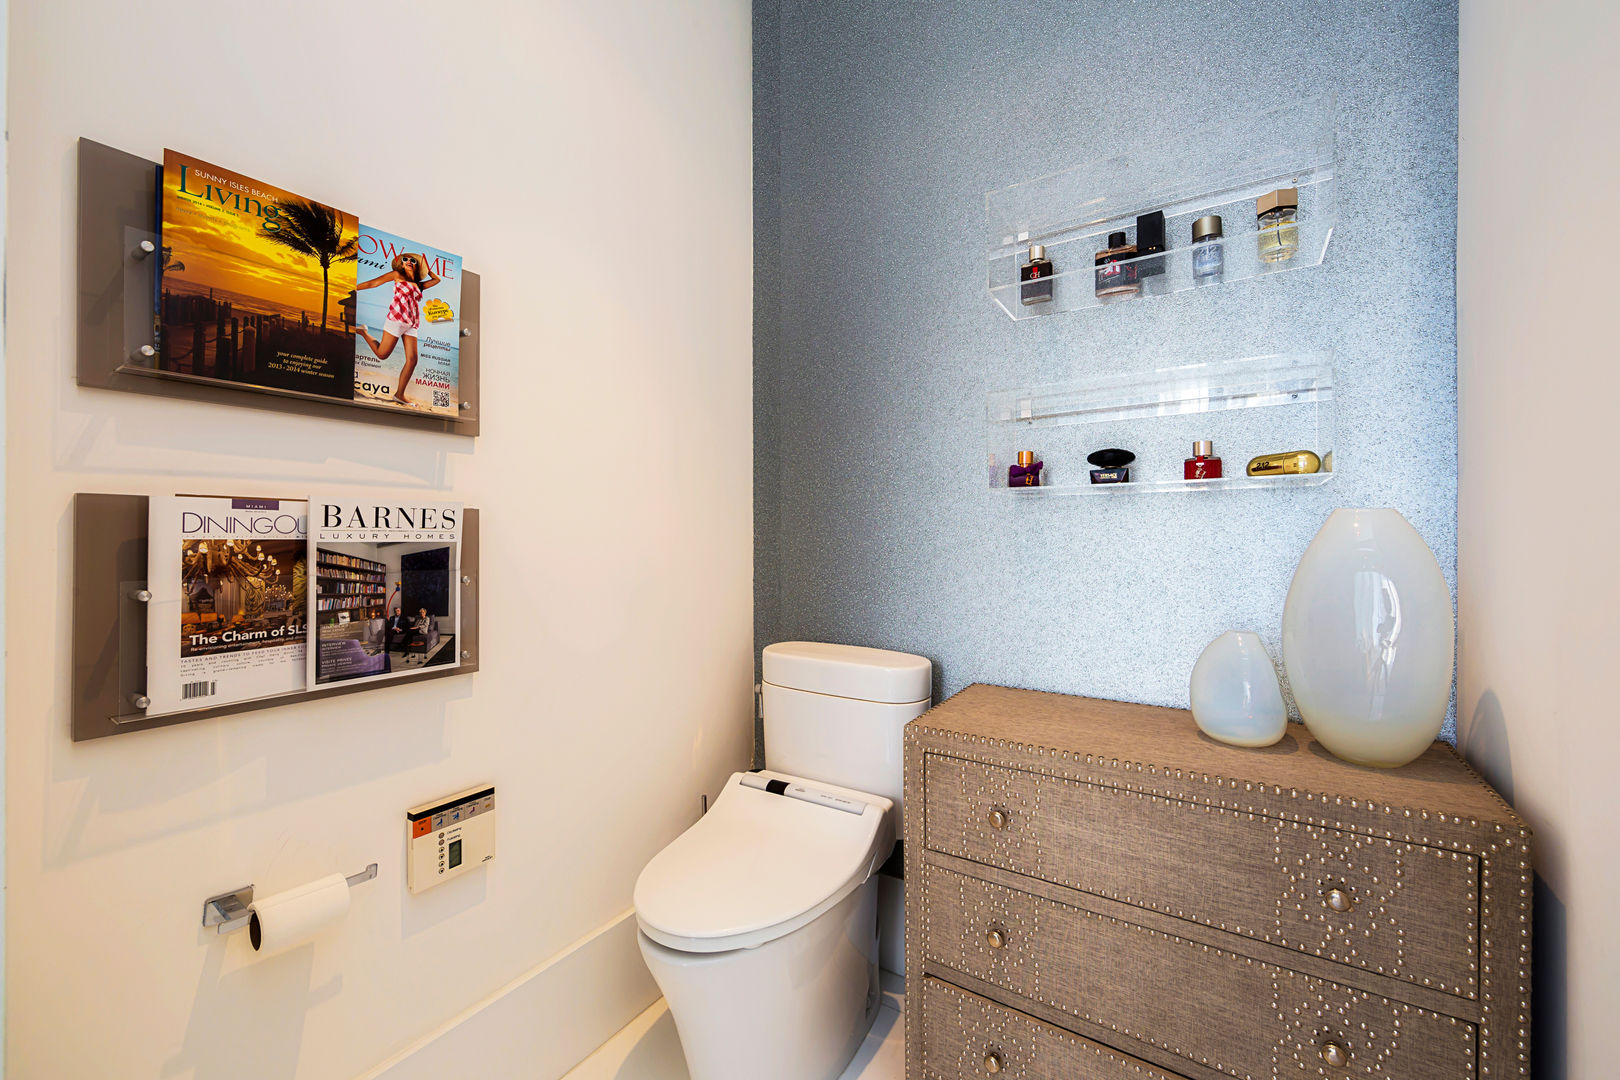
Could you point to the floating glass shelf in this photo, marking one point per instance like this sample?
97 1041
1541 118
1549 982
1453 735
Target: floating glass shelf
1247 408
1223 172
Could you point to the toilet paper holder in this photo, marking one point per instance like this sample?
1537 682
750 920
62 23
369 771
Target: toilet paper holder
229 911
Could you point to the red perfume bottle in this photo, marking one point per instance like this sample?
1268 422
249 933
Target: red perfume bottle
1203 465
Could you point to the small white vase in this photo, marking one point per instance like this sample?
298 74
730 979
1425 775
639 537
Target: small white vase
1369 639
1235 696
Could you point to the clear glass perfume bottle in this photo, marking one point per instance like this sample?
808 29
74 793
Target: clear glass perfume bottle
1276 213
1208 256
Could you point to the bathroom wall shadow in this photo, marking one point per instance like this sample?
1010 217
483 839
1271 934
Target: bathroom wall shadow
1549 988
247 1018
1485 744
425 910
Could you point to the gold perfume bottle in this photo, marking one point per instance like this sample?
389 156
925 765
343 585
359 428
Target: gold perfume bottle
1276 214
1291 463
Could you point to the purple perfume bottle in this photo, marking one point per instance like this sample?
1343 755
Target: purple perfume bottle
1027 473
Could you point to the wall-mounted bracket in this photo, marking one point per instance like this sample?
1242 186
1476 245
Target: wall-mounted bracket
229 911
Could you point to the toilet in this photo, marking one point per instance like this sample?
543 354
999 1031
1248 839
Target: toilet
760 922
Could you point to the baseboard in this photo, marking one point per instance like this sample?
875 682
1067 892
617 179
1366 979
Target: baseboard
544 1022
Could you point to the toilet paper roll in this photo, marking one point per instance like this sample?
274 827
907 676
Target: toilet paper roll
291 918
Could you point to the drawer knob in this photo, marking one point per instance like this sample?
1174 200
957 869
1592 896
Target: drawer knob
1335 1055
992 1062
998 818
997 939
1339 900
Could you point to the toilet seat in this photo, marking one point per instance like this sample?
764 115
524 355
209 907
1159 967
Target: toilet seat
772 853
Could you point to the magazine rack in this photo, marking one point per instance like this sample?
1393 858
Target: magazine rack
118 282
109 624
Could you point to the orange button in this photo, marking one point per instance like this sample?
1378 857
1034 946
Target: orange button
421 827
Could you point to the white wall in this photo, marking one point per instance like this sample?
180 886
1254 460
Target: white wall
1538 514
592 162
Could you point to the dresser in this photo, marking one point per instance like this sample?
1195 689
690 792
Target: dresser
1098 891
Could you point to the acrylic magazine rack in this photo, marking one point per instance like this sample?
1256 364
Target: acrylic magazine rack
1247 408
1219 169
119 263
110 618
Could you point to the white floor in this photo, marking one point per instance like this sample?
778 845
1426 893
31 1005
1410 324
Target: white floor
649 1049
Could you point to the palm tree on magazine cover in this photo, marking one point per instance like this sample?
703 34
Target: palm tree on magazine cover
317 231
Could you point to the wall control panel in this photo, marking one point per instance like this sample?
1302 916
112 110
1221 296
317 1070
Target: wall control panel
449 837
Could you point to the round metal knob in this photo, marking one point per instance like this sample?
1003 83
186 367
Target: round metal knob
1339 900
992 1062
140 701
998 819
1335 1055
997 939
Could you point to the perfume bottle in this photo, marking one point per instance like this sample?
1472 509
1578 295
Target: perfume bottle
1027 473
1035 277
1203 465
1111 466
1276 213
1150 240
1208 257
1116 278
1289 463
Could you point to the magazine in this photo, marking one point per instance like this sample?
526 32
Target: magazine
226 621
252 281
384 588
407 324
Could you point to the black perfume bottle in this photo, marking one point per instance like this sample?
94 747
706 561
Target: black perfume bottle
1035 277
1150 241
1111 466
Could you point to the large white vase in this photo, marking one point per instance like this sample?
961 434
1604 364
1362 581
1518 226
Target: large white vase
1234 691
1369 639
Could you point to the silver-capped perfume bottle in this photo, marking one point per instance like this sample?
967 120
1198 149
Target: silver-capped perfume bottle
1035 277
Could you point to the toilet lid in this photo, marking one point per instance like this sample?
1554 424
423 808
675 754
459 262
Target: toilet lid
772 853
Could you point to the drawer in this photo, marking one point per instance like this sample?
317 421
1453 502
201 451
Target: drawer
1403 910
966 1036
1240 1016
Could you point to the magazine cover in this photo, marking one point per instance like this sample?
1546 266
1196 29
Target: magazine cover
226 619
407 324
252 282
384 588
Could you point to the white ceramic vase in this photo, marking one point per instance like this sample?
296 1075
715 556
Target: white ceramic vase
1235 696
1369 639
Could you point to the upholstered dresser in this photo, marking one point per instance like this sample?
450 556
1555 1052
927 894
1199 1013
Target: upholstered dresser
1097 891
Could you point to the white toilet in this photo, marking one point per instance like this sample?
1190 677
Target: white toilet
760 922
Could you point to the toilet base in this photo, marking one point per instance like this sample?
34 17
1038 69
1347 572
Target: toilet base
795 1008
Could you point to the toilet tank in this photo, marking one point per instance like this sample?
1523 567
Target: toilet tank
837 713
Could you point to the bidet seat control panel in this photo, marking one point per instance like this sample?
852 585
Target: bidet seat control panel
804 793
449 837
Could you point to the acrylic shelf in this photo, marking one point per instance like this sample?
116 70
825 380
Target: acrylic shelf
1222 171
1247 408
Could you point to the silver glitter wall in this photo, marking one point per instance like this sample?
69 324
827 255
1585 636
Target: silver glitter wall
879 126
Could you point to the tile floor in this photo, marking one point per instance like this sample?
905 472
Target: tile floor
649 1049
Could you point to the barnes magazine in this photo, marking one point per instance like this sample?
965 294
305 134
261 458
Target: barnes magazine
226 619
407 324
384 593
252 281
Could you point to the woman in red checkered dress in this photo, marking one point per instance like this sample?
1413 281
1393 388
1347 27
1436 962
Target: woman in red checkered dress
411 278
